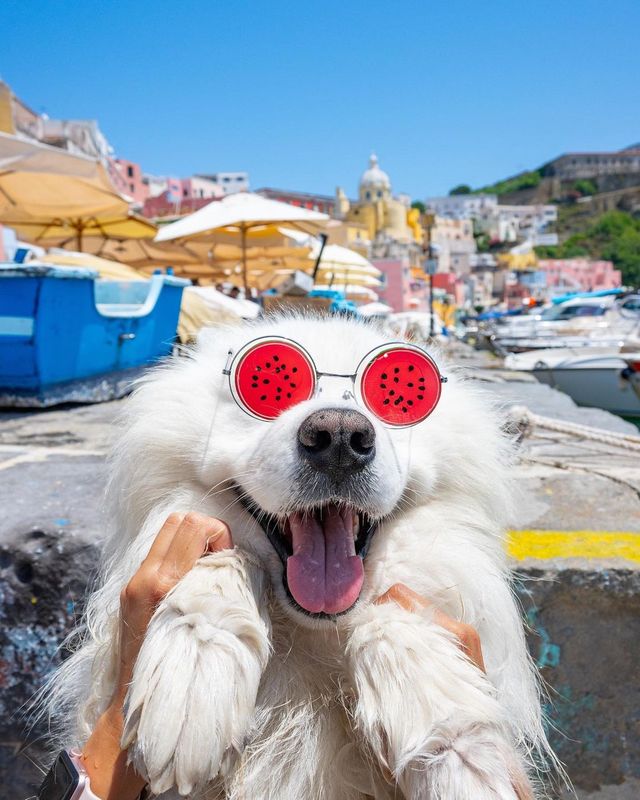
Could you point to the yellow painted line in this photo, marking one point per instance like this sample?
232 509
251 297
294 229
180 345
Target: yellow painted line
544 545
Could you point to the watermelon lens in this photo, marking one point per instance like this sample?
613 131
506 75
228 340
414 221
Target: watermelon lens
270 376
401 385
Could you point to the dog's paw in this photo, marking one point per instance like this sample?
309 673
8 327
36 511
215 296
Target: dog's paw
196 679
429 715
464 763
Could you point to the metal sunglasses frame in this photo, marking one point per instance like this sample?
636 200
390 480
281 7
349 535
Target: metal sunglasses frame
234 359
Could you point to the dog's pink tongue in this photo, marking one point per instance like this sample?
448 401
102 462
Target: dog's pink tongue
324 573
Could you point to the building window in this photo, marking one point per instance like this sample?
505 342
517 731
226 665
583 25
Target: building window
367 195
131 187
129 171
184 193
379 194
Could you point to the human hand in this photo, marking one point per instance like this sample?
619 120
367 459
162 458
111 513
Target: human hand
468 641
182 540
466 635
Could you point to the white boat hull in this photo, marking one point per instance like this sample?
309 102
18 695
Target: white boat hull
595 386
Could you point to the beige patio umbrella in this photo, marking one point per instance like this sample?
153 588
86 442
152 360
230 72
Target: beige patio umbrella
110 270
344 266
50 196
240 215
82 233
140 253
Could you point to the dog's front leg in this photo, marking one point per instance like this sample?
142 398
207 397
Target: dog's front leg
429 715
196 678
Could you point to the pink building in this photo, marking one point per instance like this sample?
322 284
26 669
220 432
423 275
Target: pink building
168 204
200 188
2 254
127 178
581 274
402 291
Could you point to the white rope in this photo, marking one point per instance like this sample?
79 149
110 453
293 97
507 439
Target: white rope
523 417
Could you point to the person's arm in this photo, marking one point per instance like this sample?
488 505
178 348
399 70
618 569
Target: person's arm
469 642
179 544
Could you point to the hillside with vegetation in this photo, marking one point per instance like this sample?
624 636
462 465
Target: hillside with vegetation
583 228
525 180
614 236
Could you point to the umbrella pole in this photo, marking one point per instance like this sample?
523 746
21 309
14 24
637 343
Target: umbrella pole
323 240
243 233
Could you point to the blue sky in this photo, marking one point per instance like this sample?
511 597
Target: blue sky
298 93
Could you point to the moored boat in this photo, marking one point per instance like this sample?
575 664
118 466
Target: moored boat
599 377
67 336
588 321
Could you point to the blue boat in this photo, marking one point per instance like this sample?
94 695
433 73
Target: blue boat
68 336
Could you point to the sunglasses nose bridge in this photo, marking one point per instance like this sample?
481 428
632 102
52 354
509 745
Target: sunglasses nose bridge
334 387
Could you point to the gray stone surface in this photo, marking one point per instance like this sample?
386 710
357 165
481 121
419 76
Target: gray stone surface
584 617
585 634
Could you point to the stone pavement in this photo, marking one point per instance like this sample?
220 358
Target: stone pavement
580 591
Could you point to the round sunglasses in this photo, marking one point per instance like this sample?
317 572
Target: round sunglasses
397 382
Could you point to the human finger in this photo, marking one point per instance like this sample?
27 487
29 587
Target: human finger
404 597
196 535
466 635
161 543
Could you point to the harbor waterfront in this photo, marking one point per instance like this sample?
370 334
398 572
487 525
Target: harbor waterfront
347 297
575 546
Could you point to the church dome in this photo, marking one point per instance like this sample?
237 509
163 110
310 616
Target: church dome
374 177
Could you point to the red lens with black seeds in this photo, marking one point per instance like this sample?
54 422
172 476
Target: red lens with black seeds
273 376
400 385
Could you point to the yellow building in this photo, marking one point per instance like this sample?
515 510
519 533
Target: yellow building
377 210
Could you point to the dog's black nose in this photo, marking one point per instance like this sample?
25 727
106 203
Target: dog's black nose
337 441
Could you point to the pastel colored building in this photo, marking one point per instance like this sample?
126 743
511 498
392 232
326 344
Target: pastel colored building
130 180
230 182
455 244
161 184
200 188
325 204
383 215
581 274
461 206
167 205
404 288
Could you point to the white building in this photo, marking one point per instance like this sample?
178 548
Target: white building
230 182
507 223
501 223
454 243
461 206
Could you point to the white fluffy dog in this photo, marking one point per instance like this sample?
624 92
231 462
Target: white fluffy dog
264 676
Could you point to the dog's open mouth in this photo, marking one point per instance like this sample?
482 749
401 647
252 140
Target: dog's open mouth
322 550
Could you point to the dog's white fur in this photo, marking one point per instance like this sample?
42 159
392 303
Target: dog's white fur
238 695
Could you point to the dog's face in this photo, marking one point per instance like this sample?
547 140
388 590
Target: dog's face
318 478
